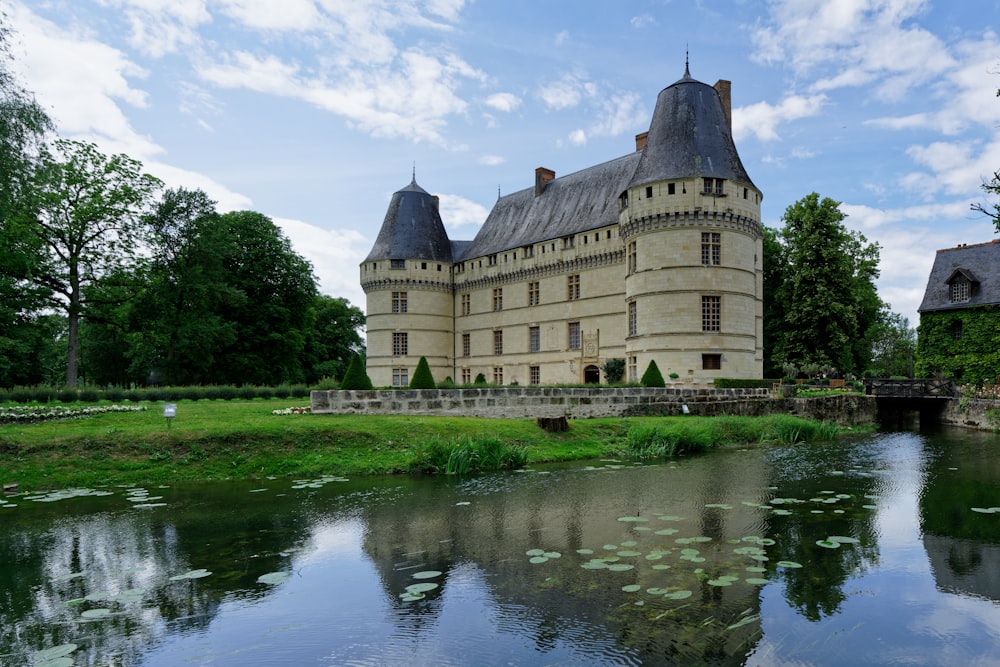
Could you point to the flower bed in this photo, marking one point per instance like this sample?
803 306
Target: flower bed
37 413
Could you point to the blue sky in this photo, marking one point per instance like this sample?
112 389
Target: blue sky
315 111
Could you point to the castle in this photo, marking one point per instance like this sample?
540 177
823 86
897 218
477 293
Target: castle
655 255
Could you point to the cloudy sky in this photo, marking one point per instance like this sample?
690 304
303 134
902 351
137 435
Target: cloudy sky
315 111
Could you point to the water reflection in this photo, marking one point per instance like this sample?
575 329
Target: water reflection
823 554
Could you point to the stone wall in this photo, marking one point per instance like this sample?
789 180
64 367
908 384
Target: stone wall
532 402
971 413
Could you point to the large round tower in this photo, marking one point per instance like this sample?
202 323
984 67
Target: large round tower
690 222
407 281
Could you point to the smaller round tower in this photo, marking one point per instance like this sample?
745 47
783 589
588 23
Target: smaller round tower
690 222
407 282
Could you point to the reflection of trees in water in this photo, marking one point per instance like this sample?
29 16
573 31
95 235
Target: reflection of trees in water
86 547
804 472
963 546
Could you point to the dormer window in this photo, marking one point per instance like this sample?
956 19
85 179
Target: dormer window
397 263
961 286
714 186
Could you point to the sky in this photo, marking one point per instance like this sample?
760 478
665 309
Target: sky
314 112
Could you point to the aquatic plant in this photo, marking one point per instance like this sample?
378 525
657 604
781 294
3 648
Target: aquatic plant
471 454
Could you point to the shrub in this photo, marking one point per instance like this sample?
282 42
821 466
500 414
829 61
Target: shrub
67 395
446 383
89 395
614 370
652 376
22 395
247 392
299 391
743 383
263 392
480 380
355 376
114 394
471 454
282 391
422 378
327 384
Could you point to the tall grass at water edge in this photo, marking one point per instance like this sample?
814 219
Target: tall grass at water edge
678 437
467 455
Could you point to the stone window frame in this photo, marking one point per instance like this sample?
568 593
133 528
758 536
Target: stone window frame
498 375
466 345
497 299
573 287
466 376
711 313
534 375
397 263
711 248
573 335
466 304
400 344
400 377
711 362
633 318
497 342
399 302
534 293
534 339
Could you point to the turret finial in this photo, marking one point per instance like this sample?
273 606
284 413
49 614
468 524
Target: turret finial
687 62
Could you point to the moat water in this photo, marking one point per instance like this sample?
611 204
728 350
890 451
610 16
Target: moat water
879 550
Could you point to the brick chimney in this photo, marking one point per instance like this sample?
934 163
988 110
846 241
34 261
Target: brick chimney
640 141
723 87
542 177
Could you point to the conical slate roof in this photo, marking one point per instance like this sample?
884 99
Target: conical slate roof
689 137
412 228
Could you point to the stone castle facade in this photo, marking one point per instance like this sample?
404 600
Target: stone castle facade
655 255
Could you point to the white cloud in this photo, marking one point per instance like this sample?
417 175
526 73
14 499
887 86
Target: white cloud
457 211
159 27
80 82
762 118
503 101
578 137
492 160
643 21
300 15
561 37
565 93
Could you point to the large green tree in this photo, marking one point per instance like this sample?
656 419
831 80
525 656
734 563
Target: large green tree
825 303
333 339
23 127
894 347
86 212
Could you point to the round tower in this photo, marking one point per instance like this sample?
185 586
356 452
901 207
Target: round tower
690 223
407 282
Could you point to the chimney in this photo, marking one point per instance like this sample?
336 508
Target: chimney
723 88
640 141
542 176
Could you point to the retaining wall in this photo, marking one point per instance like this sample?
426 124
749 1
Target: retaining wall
973 414
532 402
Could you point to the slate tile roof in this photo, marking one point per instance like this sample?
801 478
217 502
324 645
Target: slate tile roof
980 262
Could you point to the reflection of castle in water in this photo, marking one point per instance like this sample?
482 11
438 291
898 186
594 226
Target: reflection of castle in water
964 566
558 600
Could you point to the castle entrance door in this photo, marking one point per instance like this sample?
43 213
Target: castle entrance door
592 375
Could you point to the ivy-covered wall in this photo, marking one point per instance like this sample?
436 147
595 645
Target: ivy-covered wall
961 344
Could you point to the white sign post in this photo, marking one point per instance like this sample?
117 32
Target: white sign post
169 412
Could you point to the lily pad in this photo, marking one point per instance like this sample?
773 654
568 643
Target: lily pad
534 552
633 519
620 567
842 539
274 578
191 574
828 544
422 587
667 531
94 614
427 574
678 595
719 582
538 560
756 581
52 653
631 588
790 564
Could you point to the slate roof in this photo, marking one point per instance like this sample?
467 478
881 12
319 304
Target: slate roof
689 137
981 261
412 228
574 203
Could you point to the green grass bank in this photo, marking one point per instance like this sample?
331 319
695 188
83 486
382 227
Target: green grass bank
215 440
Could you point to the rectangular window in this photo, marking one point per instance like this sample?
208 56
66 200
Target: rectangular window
711 313
397 263
534 375
498 343
956 330
466 376
399 302
633 369
573 287
711 248
568 242
400 377
711 362
498 375
632 258
533 294
671 188
574 335
534 339
960 290
632 318
649 192
529 251
466 304
466 345
709 182
400 344
497 298
492 260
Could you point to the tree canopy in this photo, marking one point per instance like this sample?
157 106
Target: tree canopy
821 303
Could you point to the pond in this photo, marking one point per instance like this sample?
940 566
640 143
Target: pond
884 549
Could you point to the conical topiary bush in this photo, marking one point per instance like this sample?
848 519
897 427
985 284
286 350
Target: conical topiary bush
355 376
422 378
652 377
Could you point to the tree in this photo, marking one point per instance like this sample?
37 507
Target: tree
23 126
422 377
85 212
355 377
652 377
825 303
775 274
613 369
991 210
894 346
333 339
